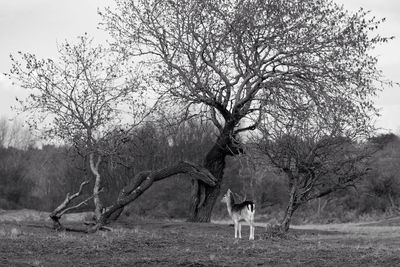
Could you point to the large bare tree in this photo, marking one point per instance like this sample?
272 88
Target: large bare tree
234 60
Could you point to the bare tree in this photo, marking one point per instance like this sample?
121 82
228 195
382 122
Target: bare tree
232 60
78 99
319 152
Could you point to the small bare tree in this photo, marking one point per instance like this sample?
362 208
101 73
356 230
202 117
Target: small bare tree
77 99
319 152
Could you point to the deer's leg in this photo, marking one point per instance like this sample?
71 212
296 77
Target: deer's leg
251 225
240 230
236 228
252 228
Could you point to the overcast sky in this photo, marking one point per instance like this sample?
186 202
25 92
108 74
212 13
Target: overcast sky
37 25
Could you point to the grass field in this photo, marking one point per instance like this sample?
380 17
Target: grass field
155 243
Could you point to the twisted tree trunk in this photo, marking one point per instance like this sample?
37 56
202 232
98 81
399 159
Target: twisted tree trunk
203 196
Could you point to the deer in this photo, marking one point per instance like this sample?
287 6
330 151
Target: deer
239 212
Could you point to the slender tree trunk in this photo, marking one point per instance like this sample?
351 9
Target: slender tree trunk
319 207
285 224
97 186
393 207
290 209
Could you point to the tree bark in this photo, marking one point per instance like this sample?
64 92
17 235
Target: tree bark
203 196
290 209
94 167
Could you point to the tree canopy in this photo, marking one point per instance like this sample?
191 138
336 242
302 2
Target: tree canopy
240 58
78 97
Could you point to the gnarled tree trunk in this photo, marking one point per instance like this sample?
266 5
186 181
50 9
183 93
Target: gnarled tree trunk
204 197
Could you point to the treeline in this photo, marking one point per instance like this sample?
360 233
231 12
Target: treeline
39 178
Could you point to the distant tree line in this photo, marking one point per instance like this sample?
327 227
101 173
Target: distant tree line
39 178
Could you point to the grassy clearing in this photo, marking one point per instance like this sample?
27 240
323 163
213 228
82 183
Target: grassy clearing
155 243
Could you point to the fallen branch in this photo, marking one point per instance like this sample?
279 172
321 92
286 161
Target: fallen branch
142 181
84 202
56 214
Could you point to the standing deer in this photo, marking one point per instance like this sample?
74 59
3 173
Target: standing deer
242 211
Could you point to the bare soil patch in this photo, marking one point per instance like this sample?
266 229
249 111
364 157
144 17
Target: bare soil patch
169 243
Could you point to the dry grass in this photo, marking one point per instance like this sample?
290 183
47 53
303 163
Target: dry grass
154 243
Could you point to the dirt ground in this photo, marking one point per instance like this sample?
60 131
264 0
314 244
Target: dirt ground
166 243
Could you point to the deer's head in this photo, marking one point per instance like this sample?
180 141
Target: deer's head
226 198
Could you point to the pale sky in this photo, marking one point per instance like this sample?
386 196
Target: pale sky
37 25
